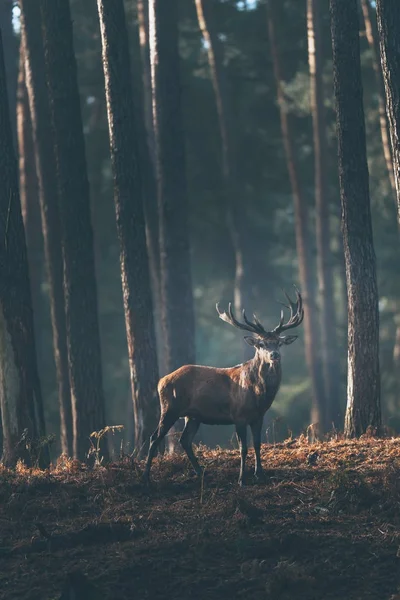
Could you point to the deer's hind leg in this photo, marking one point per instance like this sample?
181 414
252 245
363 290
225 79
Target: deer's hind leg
190 430
166 421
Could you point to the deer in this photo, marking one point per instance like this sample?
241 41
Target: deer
239 395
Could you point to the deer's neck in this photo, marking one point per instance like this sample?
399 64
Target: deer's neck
265 377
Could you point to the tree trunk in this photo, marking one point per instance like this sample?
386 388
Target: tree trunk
303 243
29 196
83 339
20 393
372 37
47 176
10 49
329 346
242 297
176 277
145 129
363 387
128 199
388 15
374 45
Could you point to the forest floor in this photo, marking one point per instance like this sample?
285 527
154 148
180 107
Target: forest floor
325 524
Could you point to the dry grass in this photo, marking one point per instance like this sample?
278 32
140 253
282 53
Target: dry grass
326 524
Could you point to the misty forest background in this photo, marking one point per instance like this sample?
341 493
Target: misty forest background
263 198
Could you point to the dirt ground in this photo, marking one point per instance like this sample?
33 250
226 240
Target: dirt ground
325 524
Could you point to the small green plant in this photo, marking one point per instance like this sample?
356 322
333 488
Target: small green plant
95 440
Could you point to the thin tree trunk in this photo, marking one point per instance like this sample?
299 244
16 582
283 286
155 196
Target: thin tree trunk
363 387
47 176
130 219
20 393
176 276
83 339
242 292
143 22
329 346
303 243
388 15
29 188
145 129
10 48
383 122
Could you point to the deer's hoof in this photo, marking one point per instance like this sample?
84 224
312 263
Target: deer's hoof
259 476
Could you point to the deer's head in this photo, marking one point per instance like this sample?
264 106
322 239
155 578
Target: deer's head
268 343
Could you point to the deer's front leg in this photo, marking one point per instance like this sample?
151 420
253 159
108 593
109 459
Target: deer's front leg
241 433
256 433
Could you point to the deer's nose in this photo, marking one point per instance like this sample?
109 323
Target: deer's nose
275 355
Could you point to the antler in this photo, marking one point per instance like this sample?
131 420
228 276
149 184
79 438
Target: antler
229 317
296 313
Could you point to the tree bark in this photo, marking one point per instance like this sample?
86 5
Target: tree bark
20 393
242 292
329 346
128 200
363 387
303 243
47 175
176 277
388 15
80 290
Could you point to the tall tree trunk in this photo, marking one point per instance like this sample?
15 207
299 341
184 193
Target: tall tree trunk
329 350
388 15
29 196
303 242
243 297
363 387
20 393
10 48
128 199
176 276
83 339
47 176
372 37
383 123
145 129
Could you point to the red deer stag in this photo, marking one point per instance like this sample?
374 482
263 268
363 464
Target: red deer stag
238 395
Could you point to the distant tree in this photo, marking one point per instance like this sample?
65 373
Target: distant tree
125 159
370 30
303 241
29 190
143 23
176 277
20 393
50 219
363 387
233 211
10 47
329 345
80 288
145 130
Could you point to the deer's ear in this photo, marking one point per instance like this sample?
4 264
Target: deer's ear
287 339
250 341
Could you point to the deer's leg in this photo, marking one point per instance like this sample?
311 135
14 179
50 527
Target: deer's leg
256 433
241 433
165 424
191 428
